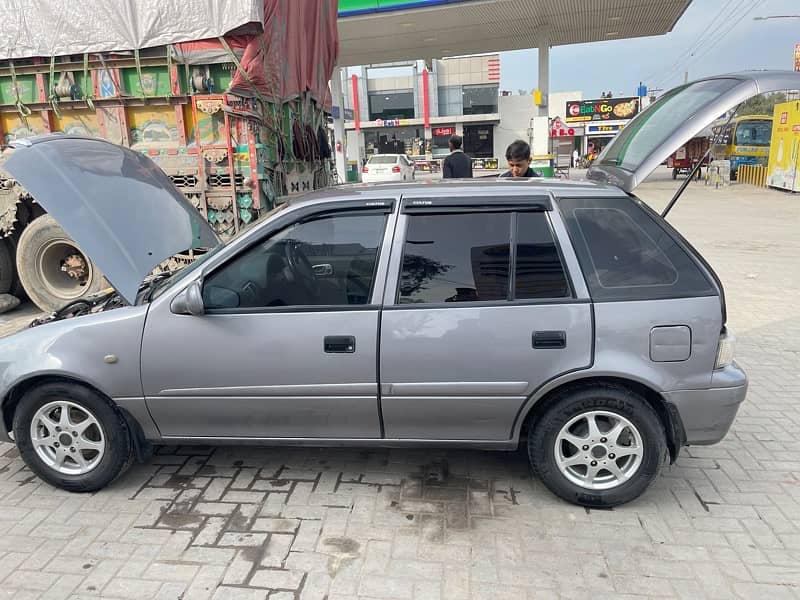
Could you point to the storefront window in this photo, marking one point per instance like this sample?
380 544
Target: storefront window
479 141
395 140
391 105
480 99
440 145
450 104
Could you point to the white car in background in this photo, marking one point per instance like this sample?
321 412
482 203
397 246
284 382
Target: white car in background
388 167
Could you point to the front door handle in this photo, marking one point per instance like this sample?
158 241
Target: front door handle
340 344
549 340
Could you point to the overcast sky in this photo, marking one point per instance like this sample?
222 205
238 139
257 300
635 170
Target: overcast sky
722 34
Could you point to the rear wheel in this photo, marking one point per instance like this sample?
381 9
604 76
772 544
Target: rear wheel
72 437
598 446
674 173
52 268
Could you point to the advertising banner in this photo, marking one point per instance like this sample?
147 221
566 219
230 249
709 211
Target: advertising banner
607 109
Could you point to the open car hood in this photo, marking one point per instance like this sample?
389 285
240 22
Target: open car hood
120 208
678 116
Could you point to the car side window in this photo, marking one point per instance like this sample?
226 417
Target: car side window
466 257
626 255
539 272
456 258
323 261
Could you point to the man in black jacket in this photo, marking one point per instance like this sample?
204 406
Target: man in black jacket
458 165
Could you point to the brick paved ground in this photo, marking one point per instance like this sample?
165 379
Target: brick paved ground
244 523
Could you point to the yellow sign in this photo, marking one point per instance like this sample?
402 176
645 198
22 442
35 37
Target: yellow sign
783 170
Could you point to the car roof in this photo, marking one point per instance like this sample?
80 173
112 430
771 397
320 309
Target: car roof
476 188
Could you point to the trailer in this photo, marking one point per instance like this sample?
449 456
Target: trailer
229 97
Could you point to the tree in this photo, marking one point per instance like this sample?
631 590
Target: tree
763 104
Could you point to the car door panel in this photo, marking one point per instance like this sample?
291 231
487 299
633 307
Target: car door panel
261 377
460 366
289 369
464 373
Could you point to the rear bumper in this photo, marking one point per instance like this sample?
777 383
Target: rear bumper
707 415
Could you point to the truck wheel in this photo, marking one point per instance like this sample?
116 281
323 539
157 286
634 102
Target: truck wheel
52 268
6 267
674 173
72 437
597 446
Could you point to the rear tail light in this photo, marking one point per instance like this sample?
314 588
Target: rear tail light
725 349
364 170
395 169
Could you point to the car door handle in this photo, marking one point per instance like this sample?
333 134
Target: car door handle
552 340
340 344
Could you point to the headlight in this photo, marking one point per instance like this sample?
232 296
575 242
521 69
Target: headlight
725 349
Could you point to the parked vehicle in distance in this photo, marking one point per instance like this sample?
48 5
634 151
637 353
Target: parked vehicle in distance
388 167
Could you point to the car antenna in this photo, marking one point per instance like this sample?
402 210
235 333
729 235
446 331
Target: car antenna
696 168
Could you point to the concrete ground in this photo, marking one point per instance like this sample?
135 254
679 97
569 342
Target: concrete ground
280 523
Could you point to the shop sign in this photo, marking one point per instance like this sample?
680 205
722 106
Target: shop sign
390 122
558 129
601 110
605 128
443 131
349 8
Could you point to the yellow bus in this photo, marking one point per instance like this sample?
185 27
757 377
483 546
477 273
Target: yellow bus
743 141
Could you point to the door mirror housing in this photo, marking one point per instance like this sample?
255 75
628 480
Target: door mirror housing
190 301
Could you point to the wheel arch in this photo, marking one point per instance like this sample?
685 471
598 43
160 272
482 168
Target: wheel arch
667 413
11 400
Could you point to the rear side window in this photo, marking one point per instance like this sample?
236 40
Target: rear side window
538 270
626 255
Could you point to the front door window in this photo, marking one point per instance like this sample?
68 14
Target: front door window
324 261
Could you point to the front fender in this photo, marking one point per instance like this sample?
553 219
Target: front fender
101 350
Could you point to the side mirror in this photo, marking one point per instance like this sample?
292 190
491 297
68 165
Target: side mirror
189 301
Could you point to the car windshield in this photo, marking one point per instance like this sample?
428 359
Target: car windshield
753 133
383 160
160 286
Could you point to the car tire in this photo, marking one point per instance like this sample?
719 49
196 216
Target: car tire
674 173
52 414
636 445
41 249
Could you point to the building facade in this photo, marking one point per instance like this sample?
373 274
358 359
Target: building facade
414 110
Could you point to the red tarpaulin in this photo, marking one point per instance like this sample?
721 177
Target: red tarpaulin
296 53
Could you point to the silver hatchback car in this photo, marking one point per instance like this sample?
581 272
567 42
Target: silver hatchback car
477 314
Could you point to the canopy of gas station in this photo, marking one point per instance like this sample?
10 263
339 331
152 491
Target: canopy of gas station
381 31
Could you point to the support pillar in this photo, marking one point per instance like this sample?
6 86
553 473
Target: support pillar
340 146
544 78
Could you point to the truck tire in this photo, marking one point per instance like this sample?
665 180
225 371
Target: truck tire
6 267
52 268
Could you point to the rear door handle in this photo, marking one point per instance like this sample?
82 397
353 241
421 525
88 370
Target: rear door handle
549 340
340 344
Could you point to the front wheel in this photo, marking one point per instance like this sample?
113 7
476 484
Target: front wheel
597 446
72 437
